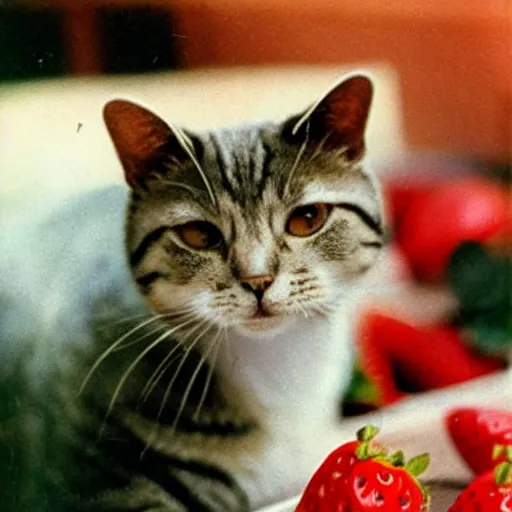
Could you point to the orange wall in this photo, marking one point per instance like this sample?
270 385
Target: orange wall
454 57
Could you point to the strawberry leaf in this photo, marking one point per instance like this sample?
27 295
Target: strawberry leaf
472 270
503 473
482 284
366 434
491 333
362 451
417 465
397 459
361 389
497 451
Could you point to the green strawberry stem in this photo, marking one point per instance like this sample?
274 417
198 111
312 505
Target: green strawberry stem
503 474
415 466
366 434
397 459
503 471
500 449
366 449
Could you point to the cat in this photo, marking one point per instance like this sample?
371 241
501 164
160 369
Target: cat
193 354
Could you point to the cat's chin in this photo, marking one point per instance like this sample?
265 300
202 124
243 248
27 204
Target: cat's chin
268 325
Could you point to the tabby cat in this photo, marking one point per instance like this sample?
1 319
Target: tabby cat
204 371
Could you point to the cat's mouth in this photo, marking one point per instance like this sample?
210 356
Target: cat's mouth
260 322
261 312
262 319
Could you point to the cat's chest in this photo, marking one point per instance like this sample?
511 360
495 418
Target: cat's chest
300 371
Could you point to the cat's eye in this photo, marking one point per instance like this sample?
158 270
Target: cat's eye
308 219
200 235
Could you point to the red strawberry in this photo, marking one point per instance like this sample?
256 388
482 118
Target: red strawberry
489 492
467 209
378 485
475 432
425 358
359 477
400 195
333 473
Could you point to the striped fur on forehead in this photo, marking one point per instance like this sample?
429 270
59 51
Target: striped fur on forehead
241 162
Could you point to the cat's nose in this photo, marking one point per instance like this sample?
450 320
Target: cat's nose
257 284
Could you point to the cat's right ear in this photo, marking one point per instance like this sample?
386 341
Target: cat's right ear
338 120
142 140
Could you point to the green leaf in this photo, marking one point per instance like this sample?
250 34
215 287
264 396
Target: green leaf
479 280
366 434
417 465
503 473
362 451
491 334
361 389
397 459
497 450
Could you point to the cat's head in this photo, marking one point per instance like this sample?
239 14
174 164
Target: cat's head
251 226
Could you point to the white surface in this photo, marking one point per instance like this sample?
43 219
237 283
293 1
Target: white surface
284 506
416 425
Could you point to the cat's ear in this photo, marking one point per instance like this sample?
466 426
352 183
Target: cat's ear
338 120
142 140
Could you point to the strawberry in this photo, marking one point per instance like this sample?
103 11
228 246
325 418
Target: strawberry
472 209
400 195
475 432
332 474
424 357
359 477
489 492
379 485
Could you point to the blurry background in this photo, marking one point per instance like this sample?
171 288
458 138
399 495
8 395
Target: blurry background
443 114
452 57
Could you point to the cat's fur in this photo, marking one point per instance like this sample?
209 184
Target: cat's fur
209 380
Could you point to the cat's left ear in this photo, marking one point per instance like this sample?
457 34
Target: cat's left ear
142 140
338 120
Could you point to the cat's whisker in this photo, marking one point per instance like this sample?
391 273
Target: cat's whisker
167 362
186 308
180 366
222 335
323 309
188 147
137 360
160 371
163 367
298 158
177 184
112 347
301 309
138 340
131 317
193 378
168 390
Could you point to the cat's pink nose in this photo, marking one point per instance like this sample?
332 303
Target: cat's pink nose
257 284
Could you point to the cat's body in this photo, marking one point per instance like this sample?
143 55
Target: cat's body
246 244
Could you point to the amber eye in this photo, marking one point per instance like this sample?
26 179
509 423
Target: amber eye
200 235
308 219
